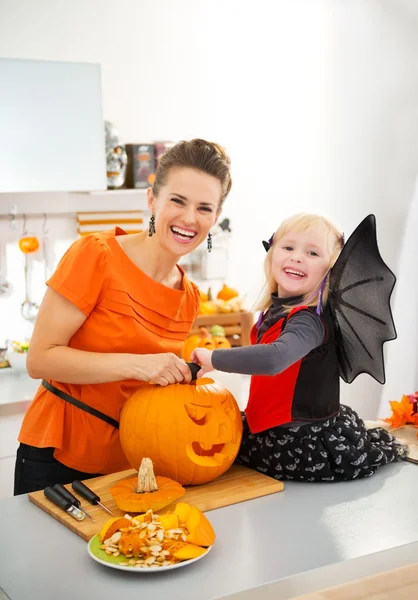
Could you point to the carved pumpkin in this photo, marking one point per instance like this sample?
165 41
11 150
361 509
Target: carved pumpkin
218 336
203 339
28 244
192 432
139 494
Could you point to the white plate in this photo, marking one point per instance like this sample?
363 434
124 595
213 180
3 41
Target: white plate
94 547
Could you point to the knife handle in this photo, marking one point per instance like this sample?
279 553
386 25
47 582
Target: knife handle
67 495
194 368
85 492
56 498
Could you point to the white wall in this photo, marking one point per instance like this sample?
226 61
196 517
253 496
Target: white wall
375 160
314 99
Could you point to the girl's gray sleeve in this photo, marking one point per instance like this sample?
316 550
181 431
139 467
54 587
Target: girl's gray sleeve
303 332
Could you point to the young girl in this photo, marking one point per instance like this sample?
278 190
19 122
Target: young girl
294 425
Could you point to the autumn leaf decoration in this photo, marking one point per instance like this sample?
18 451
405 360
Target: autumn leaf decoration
404 412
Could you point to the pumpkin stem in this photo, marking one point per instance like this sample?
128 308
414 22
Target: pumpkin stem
204 332
146 477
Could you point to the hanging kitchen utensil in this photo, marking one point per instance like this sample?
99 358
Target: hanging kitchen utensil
45 247
5 286
28 243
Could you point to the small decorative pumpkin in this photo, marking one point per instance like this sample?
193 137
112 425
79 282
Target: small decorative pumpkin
205 297
139 494
203 339
28 244
227 293
192 434
208 308
218 336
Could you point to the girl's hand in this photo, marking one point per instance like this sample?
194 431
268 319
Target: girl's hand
202 357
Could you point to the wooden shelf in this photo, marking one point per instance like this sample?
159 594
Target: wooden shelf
237 326
123 191
69 203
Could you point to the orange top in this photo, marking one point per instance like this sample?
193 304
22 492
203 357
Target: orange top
126 311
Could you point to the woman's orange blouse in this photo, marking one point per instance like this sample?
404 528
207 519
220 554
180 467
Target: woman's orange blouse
127 312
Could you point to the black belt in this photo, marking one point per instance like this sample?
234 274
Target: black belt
79 404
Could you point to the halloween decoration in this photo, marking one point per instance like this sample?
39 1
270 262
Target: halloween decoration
193 431
403 412
218 336
116 157
203 339
361 285
227 301
139 494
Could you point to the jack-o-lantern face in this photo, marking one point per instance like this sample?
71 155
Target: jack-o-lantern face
192 433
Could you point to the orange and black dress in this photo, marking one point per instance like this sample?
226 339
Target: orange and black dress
127 312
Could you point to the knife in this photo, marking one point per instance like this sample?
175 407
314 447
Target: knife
63 503
71 498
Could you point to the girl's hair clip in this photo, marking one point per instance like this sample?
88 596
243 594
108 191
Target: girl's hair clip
268 245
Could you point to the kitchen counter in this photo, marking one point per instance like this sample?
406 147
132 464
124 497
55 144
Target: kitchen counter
309 537
16 386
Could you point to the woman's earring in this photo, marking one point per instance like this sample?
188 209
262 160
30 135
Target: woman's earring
151 228
209 242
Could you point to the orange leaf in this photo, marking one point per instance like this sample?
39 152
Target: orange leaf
401 413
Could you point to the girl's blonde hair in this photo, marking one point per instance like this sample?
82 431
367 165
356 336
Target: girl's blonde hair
296 223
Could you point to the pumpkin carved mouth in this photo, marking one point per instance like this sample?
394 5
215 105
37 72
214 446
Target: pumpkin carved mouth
210 456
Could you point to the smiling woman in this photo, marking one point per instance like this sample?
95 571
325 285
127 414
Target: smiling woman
115 315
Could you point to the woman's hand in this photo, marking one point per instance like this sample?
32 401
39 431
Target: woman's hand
161 369
202 357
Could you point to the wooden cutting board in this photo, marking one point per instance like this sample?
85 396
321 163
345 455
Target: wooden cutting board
236 485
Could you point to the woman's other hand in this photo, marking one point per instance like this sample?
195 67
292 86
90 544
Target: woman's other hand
202 357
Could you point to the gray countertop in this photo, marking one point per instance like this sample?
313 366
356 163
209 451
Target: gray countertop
331 530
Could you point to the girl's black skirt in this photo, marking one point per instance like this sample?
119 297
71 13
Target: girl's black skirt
338 449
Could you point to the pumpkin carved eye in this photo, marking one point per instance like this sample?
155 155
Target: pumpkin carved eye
196 413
